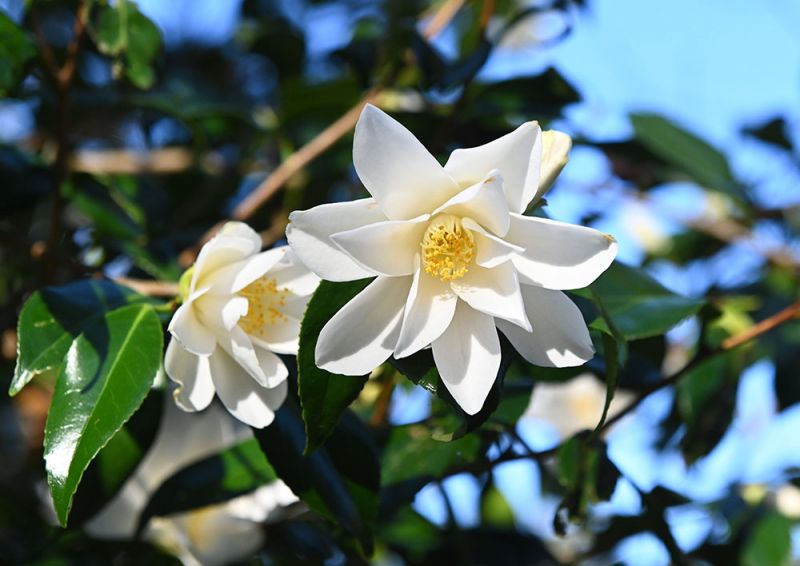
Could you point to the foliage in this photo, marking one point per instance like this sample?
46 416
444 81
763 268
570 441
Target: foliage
143 141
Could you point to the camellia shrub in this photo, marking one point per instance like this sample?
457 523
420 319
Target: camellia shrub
219 329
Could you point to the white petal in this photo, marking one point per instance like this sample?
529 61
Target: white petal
189 331
272 366
396 169
467 356
238 275
244 398
517 155
484 202
192 374
281 337
234 242
555 154
362 335
220 311
559 255
429 310
385 248
292 274
239 347
495 292
490 251
559 337
309 233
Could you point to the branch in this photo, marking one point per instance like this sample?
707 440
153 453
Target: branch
148 287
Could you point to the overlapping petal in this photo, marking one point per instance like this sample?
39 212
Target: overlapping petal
397 170
362 335
467 356
385 248
559 337
429 309
495 292
516 155
558 255
309 235
490 251
555 154
193 376
189 331
484 202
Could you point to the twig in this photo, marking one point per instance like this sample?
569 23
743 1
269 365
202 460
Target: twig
148 287
381 414
762 327
319 144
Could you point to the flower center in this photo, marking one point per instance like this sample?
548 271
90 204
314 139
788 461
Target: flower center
265 301
447 248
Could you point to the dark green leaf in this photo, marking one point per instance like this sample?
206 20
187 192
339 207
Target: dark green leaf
109 370
16 50
639 306
769 543
234 471
324 395
54 316
340 480
686 152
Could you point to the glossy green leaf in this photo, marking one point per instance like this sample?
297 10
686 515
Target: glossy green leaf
340 480
412 452
108 371
639 306
16 51
234 471
54 316
686 152
324 396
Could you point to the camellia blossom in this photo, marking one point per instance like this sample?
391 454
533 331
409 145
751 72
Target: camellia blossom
455 258
241 308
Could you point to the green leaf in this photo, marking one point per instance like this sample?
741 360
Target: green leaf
54 316
412 452
324 396
16 51
234 471
109 370
769 543
686 152
639 306
340 480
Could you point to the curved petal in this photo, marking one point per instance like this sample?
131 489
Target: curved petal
282 337
189 331
240 348
396 169
429 310
362 335
193 376
490 251
493 291
272 366
290 273
234 242
558 255
244 398
309 234
385 248
238 275
559 337
484 202
555 154
220 311
467 356
517 155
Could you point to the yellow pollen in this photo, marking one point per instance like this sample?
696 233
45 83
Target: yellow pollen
447 248
265 301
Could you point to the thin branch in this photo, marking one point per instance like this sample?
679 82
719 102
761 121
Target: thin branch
762 327
148 287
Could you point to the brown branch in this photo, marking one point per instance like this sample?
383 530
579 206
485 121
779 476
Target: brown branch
148 287
381 414
762 327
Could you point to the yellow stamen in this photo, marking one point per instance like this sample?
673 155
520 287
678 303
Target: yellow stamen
447 248
265 301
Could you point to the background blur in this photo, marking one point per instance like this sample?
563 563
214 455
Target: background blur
686 120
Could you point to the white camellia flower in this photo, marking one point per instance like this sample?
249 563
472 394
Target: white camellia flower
455 258
241 308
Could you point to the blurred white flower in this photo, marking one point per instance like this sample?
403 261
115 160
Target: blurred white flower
573 405
241 308
455 258
218 534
